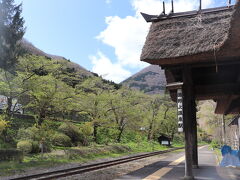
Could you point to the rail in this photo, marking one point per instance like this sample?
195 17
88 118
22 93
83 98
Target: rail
88 168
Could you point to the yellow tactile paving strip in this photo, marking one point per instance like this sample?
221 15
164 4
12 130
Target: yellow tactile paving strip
161 172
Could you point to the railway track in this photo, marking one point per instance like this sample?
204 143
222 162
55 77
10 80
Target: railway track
88 168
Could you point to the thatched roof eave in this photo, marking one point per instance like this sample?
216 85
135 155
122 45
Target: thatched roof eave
204 38
201 58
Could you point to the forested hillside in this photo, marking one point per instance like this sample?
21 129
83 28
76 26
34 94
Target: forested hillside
150 80
29 48
71 111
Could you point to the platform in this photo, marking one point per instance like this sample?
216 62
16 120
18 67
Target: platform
172 168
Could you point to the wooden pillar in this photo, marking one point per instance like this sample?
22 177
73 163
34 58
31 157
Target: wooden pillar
239 133
187 118
194 133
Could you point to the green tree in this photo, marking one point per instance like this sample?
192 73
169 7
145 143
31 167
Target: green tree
9 87
152 111
168 116
125 108
11 33
167 120
160 116
213 124
48 95
92 99
208 120
17 85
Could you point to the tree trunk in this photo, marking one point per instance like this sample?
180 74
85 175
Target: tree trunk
172 136
120 135
42 116
95 127
165 113
9 107
150 130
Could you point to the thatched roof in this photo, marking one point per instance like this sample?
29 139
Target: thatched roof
192 39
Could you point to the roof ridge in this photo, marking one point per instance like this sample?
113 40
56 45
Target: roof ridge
156 18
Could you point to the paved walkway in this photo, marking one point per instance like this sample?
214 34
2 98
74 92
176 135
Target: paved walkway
172 168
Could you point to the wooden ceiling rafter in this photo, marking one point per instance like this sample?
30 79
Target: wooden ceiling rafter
222 86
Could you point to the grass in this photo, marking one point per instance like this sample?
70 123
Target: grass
78 155
145 146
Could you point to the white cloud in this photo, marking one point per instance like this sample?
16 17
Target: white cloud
127 35
108 1
108 70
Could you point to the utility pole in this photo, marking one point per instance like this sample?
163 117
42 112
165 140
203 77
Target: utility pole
229 3
223 130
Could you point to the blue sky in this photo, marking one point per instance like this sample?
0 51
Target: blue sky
104 36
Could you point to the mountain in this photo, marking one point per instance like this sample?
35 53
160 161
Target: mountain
31 49
73 71
151 80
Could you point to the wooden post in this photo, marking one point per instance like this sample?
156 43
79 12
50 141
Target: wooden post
194 133
239 133
187 118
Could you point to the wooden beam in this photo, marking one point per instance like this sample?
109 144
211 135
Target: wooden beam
223 104
170 78
174 86
205 96
229 61
218 89
214 97
198 60
233 105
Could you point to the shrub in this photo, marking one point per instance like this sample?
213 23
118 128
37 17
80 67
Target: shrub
106 135
30 133
4 145
215 144
60 139
35 135
72 131
11 155
87 130
35 147
25 146
178 138
3 124
131 136
9 136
